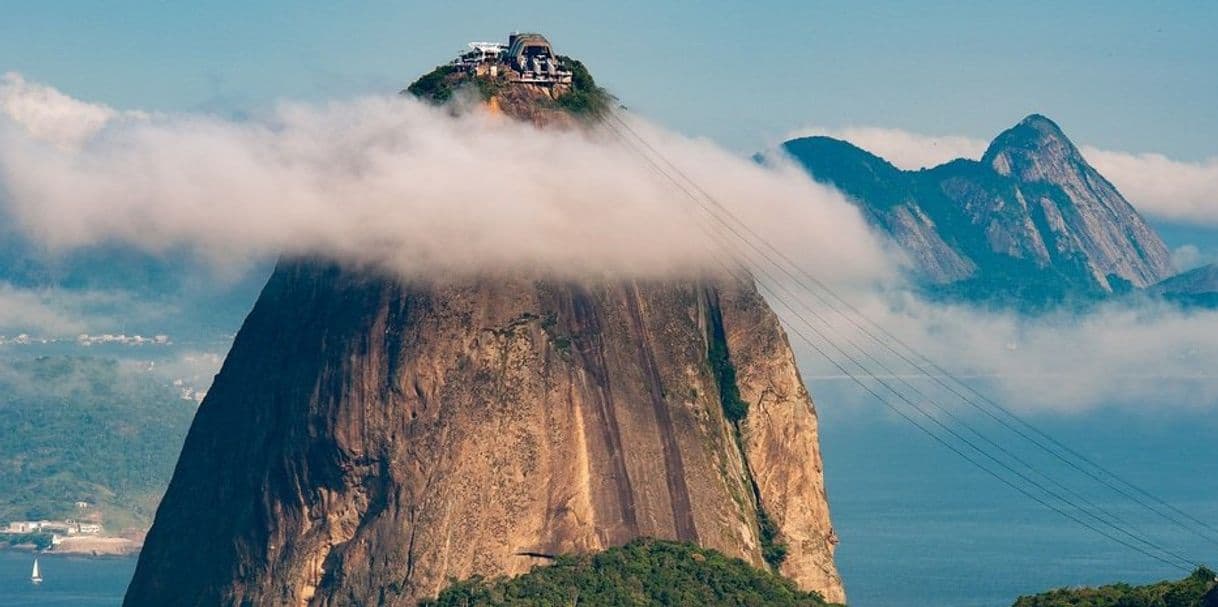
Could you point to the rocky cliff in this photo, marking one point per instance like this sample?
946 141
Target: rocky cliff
369 439
1031 220
1082 211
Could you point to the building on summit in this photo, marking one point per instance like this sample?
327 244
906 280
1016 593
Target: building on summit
526 59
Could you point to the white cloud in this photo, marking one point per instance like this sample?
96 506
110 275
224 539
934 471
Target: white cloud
904 149
35 312
49 114
1140 355
64 313
1157 185
1187 257
392 181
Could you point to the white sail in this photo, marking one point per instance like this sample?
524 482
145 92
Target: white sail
36 576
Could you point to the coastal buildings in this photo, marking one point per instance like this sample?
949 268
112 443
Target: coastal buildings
67 527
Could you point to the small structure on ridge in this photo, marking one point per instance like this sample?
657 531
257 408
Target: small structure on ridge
526 59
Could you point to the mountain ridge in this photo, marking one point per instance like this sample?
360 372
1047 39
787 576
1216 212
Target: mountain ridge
1030 220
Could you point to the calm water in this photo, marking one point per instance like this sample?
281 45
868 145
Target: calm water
917 526
68 581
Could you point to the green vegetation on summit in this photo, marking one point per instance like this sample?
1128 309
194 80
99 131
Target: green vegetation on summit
436 86
583 97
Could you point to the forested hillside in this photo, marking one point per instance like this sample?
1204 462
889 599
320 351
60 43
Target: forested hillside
87 429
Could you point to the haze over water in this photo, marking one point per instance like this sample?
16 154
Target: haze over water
918 526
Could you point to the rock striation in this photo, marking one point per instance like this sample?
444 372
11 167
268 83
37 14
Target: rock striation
370 438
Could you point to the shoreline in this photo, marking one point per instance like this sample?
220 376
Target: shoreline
94 547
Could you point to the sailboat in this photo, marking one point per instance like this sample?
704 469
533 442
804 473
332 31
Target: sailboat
36 576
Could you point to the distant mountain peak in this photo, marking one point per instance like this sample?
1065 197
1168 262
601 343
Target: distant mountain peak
1029 146
1032 217
1042 124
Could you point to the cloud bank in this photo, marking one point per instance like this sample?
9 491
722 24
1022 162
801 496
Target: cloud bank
398 183
1188 257
1165 188
37 312
1140 355
392 182
1158 186
52 312
905 149
50 115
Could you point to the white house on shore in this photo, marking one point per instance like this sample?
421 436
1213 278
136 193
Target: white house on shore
69 527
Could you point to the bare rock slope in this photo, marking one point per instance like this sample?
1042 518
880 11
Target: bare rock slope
1031 221
369 439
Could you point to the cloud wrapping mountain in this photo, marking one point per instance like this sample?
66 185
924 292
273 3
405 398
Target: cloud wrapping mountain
391 181
395 182
1157 185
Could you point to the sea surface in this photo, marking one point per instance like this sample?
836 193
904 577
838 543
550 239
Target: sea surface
68 581
918 525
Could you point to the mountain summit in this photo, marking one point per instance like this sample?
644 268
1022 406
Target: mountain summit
370 439
1030 221
1036 140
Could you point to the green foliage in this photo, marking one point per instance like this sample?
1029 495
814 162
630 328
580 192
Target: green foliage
734 407
41 541
585 97
489 87
435 86
735 410
643 572
562 342
773 551
86 429
1196 590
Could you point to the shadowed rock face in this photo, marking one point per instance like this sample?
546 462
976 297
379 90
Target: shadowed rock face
368 439
1030 221
1088 215
1197 281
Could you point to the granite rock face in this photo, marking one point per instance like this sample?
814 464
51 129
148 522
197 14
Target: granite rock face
369 439
1030 221
1092 218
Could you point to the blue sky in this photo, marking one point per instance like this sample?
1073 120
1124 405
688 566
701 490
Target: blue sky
1134 78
